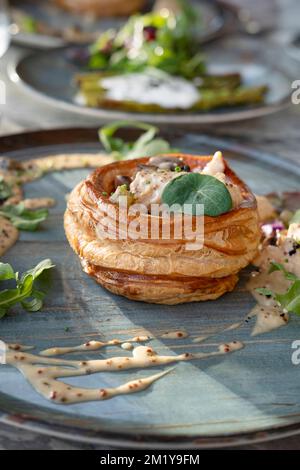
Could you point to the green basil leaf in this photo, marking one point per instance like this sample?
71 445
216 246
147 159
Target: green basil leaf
194 189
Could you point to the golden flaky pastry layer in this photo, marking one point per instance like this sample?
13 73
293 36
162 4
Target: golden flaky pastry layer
160 271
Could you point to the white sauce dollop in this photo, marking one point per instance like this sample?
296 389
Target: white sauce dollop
152 88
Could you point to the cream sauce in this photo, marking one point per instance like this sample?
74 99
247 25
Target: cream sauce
294 232
39 203
15 174
200 339
148 184
127 346
19 347
92 346
269 315
42 372
234 326
267 319
265 209
67 162
152 88
215 166
284 254
177 334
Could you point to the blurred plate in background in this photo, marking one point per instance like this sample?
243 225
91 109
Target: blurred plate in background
60 25
50 78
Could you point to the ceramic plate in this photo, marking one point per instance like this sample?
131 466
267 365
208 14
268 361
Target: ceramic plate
50 78
213 21
249 396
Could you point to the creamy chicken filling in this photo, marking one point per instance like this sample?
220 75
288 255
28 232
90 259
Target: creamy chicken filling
149 182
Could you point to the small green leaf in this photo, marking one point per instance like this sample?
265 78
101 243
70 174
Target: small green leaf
265 291
6 272
24 219
145 146
291 299
33 305
279 267
25 292
194 189
39 269
5 189
111 143
153 148
147 137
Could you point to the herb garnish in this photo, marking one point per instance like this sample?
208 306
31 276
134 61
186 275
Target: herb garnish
22 218
25 292
28 24
5 190
194 189
166 42
290 301
147 145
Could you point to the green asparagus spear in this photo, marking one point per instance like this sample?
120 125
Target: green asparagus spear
210 99
91 81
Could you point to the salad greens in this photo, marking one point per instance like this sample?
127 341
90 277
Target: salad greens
147 145
194 189
22 218
27 291
27 23
165 41
159 39
290 301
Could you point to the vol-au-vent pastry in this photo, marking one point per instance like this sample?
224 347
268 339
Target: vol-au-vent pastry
159 269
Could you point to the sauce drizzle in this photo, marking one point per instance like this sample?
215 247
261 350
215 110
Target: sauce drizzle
42 372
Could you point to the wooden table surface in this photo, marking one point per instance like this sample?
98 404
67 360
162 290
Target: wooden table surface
278 134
